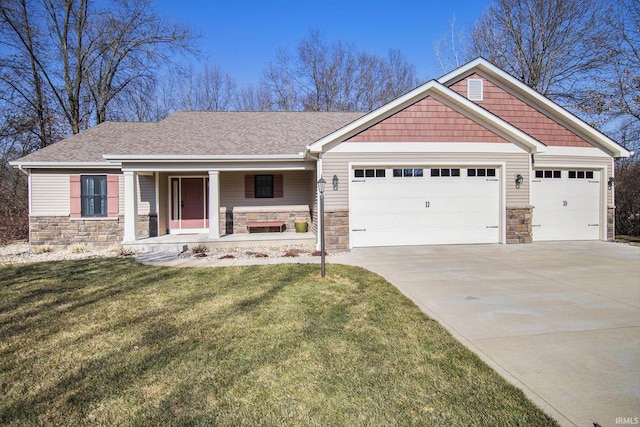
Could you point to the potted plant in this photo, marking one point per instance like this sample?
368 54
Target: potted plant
301 225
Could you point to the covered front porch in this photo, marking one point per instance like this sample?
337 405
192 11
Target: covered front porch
169 206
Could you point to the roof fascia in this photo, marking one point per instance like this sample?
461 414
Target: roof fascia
555 111
443 94
169 158
64 165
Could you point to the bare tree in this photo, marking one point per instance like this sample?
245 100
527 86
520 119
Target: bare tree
550 45
82 57
325 76
131 42
620 98
452 49
253 98
210 89
279 79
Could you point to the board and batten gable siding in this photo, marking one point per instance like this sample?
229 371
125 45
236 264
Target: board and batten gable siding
295 189
428 120
337 163
521 115
50 194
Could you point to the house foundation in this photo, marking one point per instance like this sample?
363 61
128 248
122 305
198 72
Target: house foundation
95 232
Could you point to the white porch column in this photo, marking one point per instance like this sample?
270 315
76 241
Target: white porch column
130 206
214 204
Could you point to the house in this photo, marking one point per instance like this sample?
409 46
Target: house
472 157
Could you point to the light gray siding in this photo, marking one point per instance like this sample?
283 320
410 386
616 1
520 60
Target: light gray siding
295 189
50 194
338 164
146 194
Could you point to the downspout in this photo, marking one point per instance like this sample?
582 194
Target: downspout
318 160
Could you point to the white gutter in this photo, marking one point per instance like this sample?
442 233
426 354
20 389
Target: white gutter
164 158
63 165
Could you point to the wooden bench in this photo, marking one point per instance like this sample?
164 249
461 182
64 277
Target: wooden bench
265 224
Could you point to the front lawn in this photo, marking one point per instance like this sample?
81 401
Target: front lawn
111 342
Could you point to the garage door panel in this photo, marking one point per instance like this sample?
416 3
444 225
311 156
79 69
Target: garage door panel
424 210
565 208
421 235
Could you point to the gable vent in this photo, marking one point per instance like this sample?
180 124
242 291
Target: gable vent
474 89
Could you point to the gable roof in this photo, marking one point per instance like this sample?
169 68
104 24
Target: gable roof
446 96
190 135
537 101
440 89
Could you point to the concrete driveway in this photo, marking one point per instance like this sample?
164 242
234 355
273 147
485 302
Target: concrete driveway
561 320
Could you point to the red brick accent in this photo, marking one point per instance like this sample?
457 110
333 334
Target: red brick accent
521 115
428 120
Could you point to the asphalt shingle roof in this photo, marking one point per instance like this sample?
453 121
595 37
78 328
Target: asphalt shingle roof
198 133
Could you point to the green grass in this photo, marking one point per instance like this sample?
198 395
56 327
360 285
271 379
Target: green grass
111 342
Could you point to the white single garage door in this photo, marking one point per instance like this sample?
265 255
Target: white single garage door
423 206
566 204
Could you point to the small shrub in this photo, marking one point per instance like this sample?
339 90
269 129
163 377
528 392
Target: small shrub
44 249
126 251
258 254
292 253
227 256
318 253
199 250
78 248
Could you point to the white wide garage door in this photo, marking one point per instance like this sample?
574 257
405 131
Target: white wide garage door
422 206
566 204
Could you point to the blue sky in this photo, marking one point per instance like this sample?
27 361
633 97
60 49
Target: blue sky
243 36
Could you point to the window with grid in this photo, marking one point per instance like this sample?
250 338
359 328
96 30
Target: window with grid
263 186
93 193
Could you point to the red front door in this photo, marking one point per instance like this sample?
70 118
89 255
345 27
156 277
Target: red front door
193 214
192 199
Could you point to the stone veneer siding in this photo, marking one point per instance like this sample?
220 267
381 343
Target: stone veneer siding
336 230
63 231
147 226
611 223
519 226
235 222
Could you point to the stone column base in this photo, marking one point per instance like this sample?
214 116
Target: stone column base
519 228
336 230
611 223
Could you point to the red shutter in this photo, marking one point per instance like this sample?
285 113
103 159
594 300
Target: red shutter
75 207
249 190
113 196
278 184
